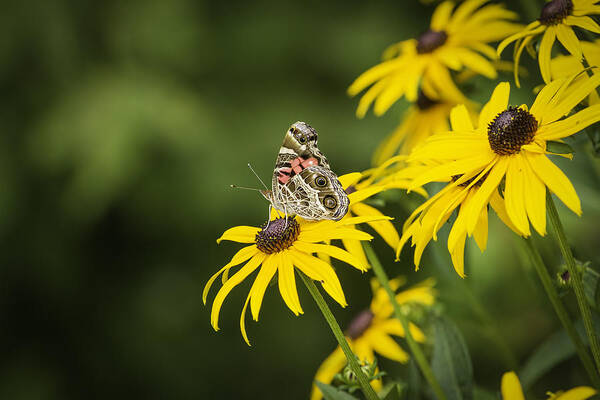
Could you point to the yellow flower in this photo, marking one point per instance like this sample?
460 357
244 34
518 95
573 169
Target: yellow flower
511 142
556 21
511 390
420 121
279 247
372 330
455 40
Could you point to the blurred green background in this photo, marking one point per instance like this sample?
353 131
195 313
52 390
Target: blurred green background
123 125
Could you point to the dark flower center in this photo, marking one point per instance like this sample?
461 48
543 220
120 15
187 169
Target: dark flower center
277 235
555 11
510 130
359 324
424 102
430 40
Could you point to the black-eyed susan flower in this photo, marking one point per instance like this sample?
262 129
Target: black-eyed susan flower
510 142
456 39
511 390
373 330
556 21
420 121
280 246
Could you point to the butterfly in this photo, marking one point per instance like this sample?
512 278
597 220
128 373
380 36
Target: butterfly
303 183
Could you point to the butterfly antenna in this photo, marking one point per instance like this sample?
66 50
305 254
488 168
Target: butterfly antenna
255 174
243 187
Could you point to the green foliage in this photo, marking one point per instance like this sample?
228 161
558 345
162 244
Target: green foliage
451 362
332 393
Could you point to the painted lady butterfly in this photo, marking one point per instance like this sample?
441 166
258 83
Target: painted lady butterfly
303 183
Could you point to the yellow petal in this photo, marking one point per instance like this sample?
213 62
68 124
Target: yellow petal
511 387
499 207
460 119
243 321
330 234
535 199
555 180
543 99
530 30
363 194
349 179
571 125
241 256
384 228
517 57
458 254
578 393
260 285
240 234
287 282
570 97
235 280
373 74
440 16
332 251
583 22
355 248
475 62
514 194
386 346
566 36
498 103
319 270
480 234
482 196
545 52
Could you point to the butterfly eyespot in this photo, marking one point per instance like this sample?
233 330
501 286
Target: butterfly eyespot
321 181
302 139
330 202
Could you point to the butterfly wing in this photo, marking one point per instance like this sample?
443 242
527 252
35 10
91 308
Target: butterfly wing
303 182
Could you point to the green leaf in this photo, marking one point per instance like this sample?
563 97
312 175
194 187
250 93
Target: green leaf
333 393
558 147
591 282
451 362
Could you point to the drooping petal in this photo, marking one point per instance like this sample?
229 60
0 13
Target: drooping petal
566 36
535 199
264 277
235 280
511 387
319 270
499 207
555 180
243 320
480 234
386 346
241 256
355 248
384 228
514 194
485 191
287 283
530 30
517 57
545 53
583 22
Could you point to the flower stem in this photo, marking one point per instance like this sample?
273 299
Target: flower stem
414 346
561 312
368 391
576 278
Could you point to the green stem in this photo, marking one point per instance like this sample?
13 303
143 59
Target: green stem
412 344
576 278
561 312
339 336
